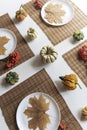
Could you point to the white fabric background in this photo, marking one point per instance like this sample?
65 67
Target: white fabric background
75 99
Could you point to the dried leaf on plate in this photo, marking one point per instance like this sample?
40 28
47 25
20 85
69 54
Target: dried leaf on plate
3 40
37 112
54 13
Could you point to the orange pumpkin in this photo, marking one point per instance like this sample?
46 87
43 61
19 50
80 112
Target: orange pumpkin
20 14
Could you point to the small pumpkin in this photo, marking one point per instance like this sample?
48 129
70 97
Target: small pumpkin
32 33
48 54
38 4
78 35
21 14
84 112
12 77
71 81
83 53
13 59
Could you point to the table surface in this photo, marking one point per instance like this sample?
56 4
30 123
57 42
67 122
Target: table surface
75 100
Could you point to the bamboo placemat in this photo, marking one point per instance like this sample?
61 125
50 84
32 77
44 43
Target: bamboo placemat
39 82
79 66
22 46
57 34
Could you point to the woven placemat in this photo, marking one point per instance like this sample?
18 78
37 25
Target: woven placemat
57 34
74 61
22 46
39 82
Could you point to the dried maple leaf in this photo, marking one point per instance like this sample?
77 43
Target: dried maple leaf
3 41
54 13
37 112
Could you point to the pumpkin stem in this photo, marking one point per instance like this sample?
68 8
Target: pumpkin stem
79 85
61 77
20 7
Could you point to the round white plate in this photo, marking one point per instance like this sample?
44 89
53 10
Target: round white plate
66 7
53 112
11 44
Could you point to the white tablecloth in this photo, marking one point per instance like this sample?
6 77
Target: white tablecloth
75 99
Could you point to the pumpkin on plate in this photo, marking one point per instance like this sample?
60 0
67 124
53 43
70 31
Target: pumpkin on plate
21 14
48 54
71 81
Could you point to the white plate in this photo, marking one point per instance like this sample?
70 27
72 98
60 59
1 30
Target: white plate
66 7
54 112
11 44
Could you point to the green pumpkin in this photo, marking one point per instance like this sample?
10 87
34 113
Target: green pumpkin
12 78
78 35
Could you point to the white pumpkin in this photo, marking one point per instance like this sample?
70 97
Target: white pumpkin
32 34
48 54
84 112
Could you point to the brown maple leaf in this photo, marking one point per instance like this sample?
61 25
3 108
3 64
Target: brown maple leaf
37 112
3 40
54 13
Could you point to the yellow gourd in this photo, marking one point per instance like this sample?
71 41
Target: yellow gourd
71 81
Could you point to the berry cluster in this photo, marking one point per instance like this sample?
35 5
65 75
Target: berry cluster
13 58
83 53
38 4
